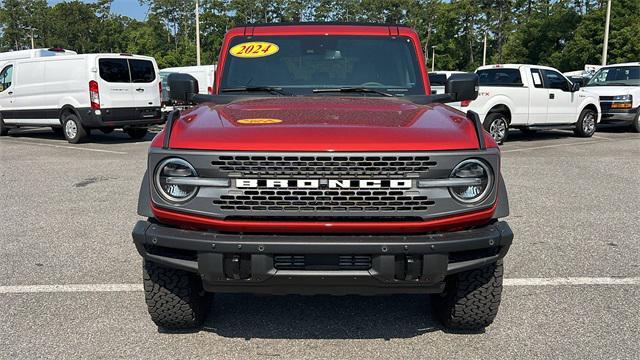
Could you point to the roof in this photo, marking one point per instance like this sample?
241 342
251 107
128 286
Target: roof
328 23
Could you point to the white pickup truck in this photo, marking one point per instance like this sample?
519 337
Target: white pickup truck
530 98
618 87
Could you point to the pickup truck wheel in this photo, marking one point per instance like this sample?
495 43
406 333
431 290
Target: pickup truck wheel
497 125
73 130
586 125
174 298
4 131
136 133
471 298
635 125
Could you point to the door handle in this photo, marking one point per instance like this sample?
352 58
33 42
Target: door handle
10 93
552 96
140 90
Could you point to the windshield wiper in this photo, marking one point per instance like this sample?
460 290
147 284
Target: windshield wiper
352 90
270 89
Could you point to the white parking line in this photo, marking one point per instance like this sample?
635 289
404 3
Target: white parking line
554 146
67 147
73 288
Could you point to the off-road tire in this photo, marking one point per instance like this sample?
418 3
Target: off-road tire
471 298
136 133
582 130
495 121
635 125
175 298
74 137
4 131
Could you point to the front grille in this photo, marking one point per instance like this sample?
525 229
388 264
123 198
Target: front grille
322 262
326 166
325 200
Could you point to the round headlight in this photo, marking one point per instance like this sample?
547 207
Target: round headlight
167 180
476 191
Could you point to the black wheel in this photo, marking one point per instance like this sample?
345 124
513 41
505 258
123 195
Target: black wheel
57 131
4 131
175 298
136 133
635 125
586 125
471 298
73 130
497 124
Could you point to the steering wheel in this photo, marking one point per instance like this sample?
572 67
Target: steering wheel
372 84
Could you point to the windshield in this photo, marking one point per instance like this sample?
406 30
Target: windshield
300 64
616 76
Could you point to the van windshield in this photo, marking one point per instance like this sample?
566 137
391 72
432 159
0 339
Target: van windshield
616 76
126 70
301 64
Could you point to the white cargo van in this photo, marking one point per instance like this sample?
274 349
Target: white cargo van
34 53
618 87
76 93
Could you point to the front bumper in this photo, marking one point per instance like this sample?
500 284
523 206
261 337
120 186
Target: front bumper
246 262
618 115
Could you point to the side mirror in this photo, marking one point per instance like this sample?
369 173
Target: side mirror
182 87
575 86
461 87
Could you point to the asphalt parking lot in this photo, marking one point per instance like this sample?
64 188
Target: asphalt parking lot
573 274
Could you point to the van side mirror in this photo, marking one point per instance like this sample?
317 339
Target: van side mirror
461 87
182 88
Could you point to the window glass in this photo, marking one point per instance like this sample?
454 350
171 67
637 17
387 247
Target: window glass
537 78
5 78
555 80
114 70
616 76
304 63
142 71
500 77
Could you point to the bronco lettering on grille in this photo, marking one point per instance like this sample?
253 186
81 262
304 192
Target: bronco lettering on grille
324 183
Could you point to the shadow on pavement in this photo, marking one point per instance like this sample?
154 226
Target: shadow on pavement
320 317
97 136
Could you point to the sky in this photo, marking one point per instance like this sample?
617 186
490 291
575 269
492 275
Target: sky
129 8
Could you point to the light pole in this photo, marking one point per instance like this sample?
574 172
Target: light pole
197 34
484 51
433 59
605 46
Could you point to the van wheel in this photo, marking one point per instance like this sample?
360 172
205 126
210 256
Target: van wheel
471 299
74 132
497 125
136 133
635 125
175 298
4 131
586 125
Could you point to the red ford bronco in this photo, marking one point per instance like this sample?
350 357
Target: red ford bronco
322 165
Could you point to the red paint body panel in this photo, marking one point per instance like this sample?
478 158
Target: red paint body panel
324 124
450 223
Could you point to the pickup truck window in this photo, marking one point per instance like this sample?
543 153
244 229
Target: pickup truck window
555 80
616 76
500 77
304 63
5 78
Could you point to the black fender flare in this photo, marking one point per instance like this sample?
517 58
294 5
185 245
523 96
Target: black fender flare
502 209
66 108
144 198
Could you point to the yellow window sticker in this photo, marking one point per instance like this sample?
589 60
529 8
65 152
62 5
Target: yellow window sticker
254 49
259 121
